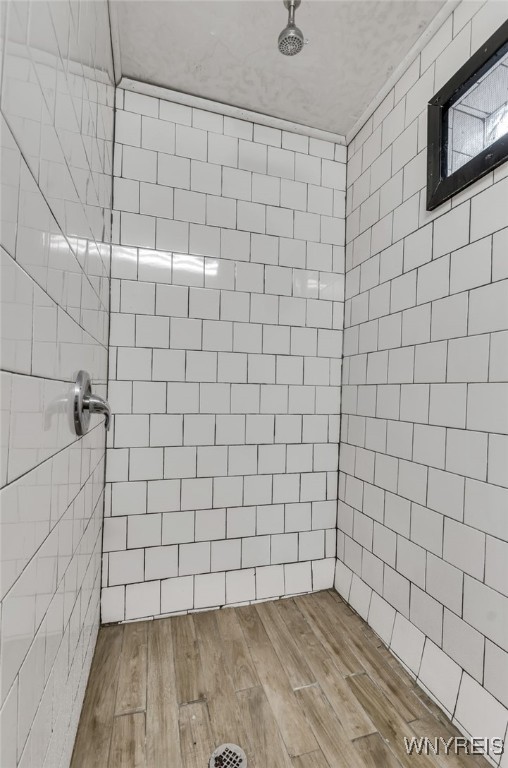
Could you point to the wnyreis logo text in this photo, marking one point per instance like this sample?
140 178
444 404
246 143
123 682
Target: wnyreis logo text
456 745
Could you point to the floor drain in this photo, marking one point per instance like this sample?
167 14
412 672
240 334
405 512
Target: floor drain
228 756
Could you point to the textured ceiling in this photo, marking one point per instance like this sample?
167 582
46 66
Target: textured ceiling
226 50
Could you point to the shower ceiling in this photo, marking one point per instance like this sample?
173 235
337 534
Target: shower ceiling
226 50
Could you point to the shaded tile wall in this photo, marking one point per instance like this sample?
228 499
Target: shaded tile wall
422 522
56 146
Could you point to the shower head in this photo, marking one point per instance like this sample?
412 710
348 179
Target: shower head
291 38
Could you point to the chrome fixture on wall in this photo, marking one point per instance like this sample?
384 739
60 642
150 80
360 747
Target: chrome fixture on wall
85 403
291 38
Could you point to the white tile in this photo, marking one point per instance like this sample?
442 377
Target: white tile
279 221
334 174
281 163
464 644
496 670
163 495
478 711
113 604
173 171
139 164
208 121
255 551
131 431
294 141
126 567
220 211
486 214
173 235
210 523
446 493
222 149
450 317
239 128
486 610
264 248
407 642
138 230
466 453
293 194
142 600
126 195
496 564
323 572
189 206
144 531
236 183
115 534
284 548
499 267
178 527
343 578
445 583
240 586
468 359
411 561
141 104
471 266
194 558
226 555
297 578
157 135
128 128
448 405
251 217
205 177
191 142
308 169
269 581
441 675
152 331
427 529
464 547
146 463
488 308
252 156
433 280
177 594
129 498
156 200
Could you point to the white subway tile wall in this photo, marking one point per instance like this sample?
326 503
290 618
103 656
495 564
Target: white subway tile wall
423 499
57 102
225 364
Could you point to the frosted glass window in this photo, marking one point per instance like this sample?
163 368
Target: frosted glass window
479 117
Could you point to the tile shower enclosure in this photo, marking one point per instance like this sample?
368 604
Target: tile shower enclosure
57 115
225 361
233 306
422 520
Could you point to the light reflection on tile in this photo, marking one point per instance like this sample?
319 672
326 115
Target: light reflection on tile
124 262
154 266
188 269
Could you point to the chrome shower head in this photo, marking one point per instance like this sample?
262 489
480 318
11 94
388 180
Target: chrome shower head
291 38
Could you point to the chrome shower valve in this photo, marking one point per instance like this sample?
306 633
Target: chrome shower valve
85 403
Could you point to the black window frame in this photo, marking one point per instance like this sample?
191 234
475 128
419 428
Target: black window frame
441 187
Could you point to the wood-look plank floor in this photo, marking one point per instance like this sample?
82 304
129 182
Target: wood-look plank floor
298 683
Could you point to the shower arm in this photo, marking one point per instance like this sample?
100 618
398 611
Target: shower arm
291 15
291 5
